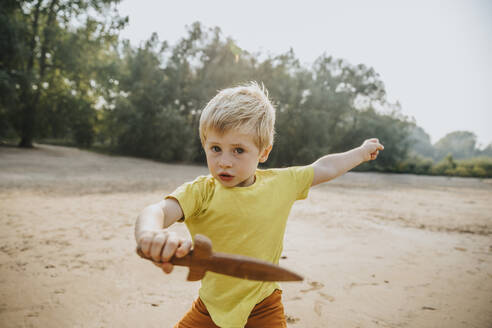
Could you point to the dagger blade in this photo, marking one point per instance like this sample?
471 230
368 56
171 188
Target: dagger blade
249 268
202 259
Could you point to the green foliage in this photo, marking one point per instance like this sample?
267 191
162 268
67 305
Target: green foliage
44 59
64 82
480 167
420 143
139 118
477 167
461 144
487 151
13 32
162 137
414 164
82 123
458 144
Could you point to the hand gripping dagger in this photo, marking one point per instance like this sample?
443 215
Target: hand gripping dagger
202 259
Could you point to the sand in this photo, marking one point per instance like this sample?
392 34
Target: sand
376 250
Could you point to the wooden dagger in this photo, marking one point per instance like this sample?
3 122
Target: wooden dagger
202 259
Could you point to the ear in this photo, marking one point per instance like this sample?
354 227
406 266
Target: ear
264 154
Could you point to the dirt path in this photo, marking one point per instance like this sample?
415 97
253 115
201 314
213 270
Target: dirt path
376 250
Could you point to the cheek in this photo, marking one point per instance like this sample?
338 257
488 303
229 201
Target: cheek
251 164
210 160
209 155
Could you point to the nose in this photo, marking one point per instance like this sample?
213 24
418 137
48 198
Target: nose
225 162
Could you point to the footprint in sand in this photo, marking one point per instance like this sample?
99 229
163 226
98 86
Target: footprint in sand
108 237
430 308
291 319
327 297
296 298
318 306
355 284
315 285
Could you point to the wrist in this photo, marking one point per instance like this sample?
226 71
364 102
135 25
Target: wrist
360 154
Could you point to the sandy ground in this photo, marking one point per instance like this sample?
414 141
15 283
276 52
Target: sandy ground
377 250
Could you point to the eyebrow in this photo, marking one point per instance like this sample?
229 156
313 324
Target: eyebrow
215 142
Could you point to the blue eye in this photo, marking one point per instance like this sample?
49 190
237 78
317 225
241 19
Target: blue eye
215 149
239 150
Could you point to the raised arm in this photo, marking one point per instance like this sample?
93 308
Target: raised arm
331 166
154 239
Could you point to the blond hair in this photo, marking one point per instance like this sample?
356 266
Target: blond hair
245 108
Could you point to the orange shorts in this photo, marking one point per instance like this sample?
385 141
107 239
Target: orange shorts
267 313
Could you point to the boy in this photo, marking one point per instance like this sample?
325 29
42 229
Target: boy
242 209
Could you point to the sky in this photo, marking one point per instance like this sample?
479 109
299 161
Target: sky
434 57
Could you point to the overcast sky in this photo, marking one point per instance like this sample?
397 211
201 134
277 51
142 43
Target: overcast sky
435 57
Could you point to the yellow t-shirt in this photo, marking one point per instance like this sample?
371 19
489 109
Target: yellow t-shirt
241 220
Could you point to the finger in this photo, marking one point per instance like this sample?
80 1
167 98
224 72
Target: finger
375 146
167 267
145 243
157 244
170 247
184 248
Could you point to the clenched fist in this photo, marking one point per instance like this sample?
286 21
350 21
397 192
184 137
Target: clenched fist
161 245
370 149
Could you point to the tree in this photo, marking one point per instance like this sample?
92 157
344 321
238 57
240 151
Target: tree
420 143
38 33
142 117
487 151
460 144
13 33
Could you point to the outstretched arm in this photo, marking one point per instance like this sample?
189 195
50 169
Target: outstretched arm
331 166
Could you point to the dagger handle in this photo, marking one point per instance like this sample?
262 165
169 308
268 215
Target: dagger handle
181 261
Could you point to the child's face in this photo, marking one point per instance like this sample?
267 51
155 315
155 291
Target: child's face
232 157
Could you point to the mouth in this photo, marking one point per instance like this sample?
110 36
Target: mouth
225 177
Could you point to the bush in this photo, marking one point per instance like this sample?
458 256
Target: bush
480 172
416 164
480 167
82 123
477 167
162 136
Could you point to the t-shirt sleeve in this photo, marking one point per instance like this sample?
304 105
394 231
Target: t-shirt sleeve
192 196
303 177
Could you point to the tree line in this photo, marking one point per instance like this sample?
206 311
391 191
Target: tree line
66 76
